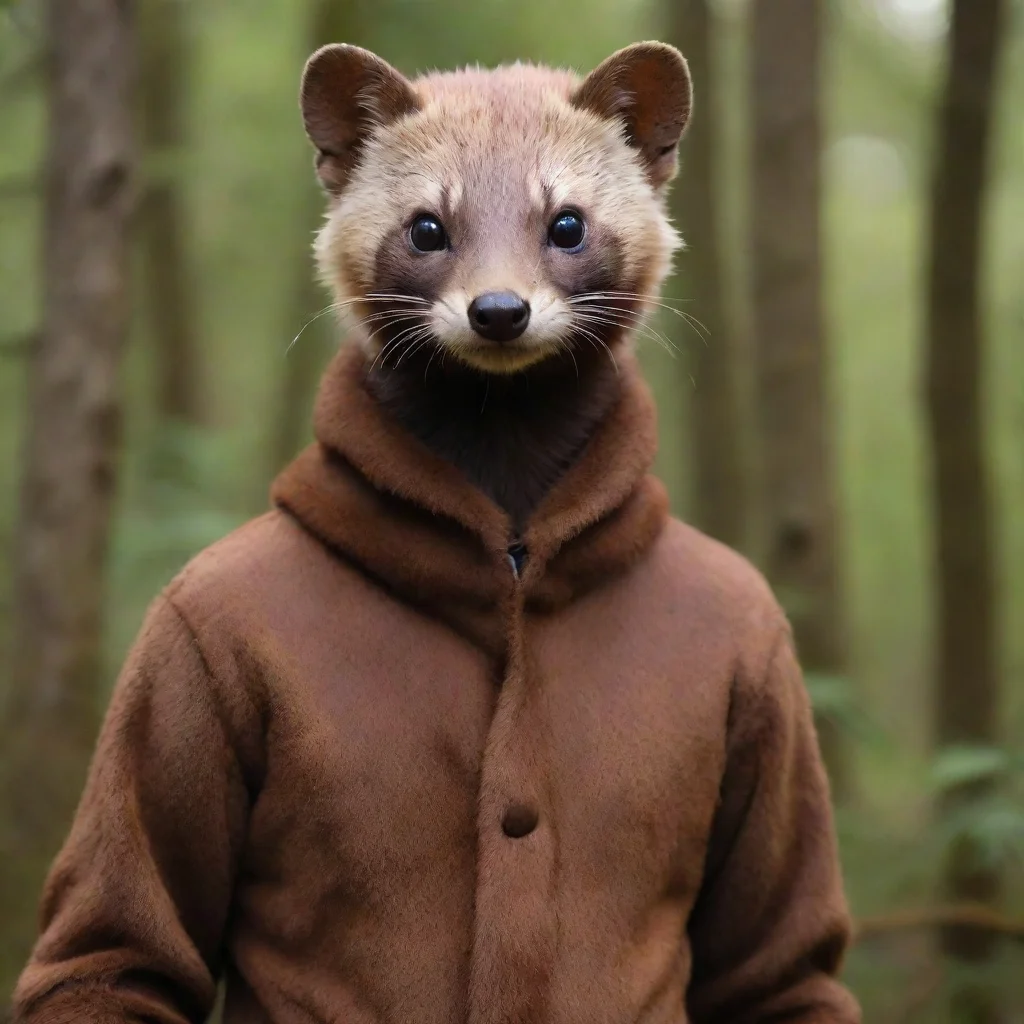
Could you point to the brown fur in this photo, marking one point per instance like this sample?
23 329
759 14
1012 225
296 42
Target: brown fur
512 436
333 717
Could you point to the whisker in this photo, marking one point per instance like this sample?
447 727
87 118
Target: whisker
642 328
390 346
692 321
429 361
414 343
647 336
302 330
384 326
698 325
652 300
393 345
611 315
410 338
566 347
389 297
598 343
342 303
392 316
651 296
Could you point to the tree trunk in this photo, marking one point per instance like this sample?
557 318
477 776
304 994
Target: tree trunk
171 296
967 698
719 484
305 359
797 494
71 445
330 21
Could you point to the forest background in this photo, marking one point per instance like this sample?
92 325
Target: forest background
846 405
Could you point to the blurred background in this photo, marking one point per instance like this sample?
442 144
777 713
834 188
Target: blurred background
847 409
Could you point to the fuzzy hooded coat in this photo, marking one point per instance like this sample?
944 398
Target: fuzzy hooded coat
372 760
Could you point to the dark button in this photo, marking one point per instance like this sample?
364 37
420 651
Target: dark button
519 821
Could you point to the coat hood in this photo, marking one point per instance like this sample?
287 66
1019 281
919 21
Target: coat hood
380 498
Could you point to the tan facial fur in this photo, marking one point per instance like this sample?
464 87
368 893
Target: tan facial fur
495 156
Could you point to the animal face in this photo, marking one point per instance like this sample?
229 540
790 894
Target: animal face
502 216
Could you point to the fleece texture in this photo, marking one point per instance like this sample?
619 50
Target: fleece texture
369 768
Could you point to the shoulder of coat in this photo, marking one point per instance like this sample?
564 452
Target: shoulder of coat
244 566
725 584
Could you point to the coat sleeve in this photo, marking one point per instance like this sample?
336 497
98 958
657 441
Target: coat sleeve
770 925
134 908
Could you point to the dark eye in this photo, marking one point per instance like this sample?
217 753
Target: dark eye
427 234
567 230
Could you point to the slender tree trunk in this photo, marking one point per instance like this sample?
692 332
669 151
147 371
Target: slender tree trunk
71 445
967 698
719 484
302 363
330 21
797 499
171 296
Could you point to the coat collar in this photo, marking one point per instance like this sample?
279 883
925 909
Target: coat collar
381 499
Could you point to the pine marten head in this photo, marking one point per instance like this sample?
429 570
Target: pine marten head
503 216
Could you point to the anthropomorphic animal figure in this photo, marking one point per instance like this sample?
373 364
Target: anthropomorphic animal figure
467 728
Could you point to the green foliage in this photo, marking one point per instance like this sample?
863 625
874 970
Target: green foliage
835 698
986 807
959 765
994 828
179 510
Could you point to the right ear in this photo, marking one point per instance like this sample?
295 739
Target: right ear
647 88
346 93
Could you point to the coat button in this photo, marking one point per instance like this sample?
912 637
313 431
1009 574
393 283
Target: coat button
519 821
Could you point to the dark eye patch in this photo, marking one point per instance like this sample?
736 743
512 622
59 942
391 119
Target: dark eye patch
596 267
400 269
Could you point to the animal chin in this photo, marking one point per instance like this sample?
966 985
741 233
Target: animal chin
501 359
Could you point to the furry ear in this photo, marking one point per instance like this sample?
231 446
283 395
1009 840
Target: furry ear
347 92
646 86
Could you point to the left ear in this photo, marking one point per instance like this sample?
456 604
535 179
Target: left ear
647 87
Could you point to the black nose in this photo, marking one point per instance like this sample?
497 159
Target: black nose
499 316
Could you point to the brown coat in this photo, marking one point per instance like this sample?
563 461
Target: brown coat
364 770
